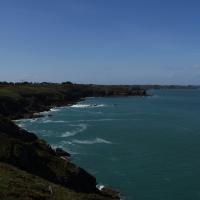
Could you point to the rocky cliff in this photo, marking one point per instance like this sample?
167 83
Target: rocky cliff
29 158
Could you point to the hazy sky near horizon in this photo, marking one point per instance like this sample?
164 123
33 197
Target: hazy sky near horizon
100 41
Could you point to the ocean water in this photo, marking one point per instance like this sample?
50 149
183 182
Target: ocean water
146 147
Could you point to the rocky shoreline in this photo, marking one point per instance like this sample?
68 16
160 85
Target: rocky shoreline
104 191
25 151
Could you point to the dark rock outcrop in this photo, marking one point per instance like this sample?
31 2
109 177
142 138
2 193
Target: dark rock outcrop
109 192
60 152
25 100
25 151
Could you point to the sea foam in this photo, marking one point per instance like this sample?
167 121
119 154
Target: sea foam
52 121
94 141
80 128
100 187
54 109
87 106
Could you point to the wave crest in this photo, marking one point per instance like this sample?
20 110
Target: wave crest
94 141
87 106
55 109
81 128
100 187
52 121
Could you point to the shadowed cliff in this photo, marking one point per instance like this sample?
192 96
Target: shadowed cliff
32 157
22 100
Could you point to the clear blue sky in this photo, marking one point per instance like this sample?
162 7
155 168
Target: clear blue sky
100 41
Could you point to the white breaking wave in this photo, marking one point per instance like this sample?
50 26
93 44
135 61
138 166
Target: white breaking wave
62 144
100 187
87 106
26 120
80 128
42 113
94 141
21 125
48 111
52 121
54 109
80 106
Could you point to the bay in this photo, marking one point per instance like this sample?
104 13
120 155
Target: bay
146 147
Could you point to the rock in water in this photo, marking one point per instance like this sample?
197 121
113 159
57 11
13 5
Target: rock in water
110 193
60 152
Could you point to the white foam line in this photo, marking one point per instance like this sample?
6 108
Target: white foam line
81 128
52 121
55 109
105 119
26 120
94 141
87 106
21 125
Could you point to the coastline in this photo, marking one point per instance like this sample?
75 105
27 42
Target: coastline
107 191
35 156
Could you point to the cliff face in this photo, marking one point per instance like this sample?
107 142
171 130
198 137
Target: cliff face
27 152
24 100
34 170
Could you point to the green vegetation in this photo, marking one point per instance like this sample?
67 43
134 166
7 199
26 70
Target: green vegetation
22 100
16 184
26 151
8 92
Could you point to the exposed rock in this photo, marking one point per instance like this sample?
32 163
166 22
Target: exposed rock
26 151
17 101
110 193
60 152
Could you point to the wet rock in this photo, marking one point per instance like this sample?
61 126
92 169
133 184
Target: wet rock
60 152
109 192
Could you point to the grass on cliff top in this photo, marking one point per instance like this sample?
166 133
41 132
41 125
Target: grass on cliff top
8 92
17 90
16 184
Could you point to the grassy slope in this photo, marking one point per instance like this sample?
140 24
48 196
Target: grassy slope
25 151
42 167
16 184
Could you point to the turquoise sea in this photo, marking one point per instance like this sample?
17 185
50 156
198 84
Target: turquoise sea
146 147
